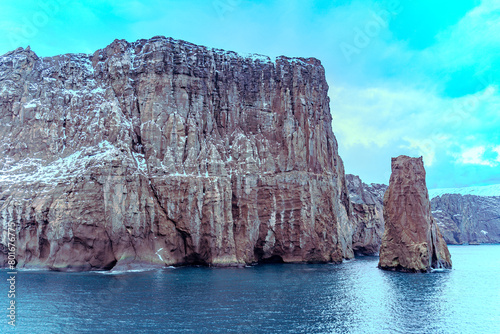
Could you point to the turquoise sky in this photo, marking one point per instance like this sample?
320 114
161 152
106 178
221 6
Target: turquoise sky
406 77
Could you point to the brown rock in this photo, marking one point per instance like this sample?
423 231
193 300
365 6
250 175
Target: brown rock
467 219
165 152
367 215
411 241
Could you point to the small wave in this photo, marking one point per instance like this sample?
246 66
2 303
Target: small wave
440 270
26 269
127 271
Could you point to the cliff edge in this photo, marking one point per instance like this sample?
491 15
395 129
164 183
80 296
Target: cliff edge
164 152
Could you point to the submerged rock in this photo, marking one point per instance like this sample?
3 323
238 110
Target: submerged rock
165 152
411 241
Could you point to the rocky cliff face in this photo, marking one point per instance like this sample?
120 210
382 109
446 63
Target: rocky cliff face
461 218
367 215
411 241
165 152
467 219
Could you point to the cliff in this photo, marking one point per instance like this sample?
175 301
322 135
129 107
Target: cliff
367 215
467 219
165 152
461 218
411 241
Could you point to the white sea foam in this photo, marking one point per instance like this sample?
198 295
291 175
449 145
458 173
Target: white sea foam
128 271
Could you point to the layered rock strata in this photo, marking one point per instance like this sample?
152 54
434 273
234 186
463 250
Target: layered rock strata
164 152
411 241
367 215
461 218
467 219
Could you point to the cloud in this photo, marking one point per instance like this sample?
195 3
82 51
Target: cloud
361 113
405 112
497 150
418 122
425 148
417 105
473 41
426 83
477 156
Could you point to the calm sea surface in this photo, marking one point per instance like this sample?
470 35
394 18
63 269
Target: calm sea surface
353 297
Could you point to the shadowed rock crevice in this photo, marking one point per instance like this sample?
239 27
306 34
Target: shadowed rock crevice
272 259
367 215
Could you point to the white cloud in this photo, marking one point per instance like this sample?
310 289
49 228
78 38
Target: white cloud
380 115
476 156
425 148
407 112
497 150
471 41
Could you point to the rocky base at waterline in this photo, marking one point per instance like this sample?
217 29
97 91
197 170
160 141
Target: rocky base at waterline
411 241
165 152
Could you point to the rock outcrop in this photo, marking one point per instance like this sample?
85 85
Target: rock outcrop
467 219
461 218
411 241
165 152
367 215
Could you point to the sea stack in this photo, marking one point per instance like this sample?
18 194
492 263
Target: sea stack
411 241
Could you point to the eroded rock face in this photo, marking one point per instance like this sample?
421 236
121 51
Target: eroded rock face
461 218
411 241
367 215
165 152
467 219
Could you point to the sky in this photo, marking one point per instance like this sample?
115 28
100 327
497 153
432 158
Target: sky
420 78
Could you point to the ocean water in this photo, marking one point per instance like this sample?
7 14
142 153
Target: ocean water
353 297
